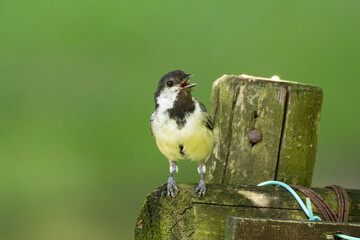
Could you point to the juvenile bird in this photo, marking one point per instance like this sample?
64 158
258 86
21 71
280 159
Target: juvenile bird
181 126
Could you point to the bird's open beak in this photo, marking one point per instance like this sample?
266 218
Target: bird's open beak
185 84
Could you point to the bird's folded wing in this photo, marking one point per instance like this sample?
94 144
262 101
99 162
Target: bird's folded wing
208 120
151 120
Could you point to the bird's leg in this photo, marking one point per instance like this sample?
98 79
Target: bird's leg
171 181
201 189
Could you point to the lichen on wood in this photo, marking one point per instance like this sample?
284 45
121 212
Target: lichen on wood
287 116
238 228
189 217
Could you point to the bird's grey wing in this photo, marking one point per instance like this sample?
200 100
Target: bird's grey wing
151 121
208 118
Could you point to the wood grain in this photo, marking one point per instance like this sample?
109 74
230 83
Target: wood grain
189 217
287 115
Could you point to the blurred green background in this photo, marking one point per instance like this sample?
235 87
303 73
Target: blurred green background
76 92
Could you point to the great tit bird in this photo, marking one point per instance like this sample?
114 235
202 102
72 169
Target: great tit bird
181 126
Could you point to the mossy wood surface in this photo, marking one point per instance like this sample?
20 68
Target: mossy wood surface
238 228
286 114
190 217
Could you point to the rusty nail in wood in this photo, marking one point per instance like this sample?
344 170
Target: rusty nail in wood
254 136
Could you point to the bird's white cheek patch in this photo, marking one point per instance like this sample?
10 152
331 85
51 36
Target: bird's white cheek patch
167 98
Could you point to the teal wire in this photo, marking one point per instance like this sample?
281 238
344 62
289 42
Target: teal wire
308 209
298 199
346 236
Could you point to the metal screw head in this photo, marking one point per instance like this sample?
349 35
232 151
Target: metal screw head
254 136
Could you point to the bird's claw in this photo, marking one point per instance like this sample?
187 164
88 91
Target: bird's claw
171 186
201 189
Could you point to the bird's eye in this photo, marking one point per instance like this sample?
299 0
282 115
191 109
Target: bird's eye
170 83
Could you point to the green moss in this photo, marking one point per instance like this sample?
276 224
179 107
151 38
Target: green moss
191 217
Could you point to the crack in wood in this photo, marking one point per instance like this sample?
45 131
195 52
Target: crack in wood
191 233
287 97
249 206
180 219
236 95
176 223
186 209
255 118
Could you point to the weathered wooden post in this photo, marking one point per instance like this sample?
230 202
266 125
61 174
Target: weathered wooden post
264 130
189 217
284 117
260 228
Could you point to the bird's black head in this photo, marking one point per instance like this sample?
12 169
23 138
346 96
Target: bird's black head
174 96
176 80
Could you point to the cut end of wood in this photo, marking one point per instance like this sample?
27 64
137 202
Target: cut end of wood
250 78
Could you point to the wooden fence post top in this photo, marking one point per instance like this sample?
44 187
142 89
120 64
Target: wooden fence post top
264 129
247 78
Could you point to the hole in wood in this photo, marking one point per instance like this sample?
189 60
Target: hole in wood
255 115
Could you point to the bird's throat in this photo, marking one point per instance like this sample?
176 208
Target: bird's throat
183 105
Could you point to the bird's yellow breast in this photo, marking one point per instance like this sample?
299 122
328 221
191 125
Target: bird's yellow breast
192 141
